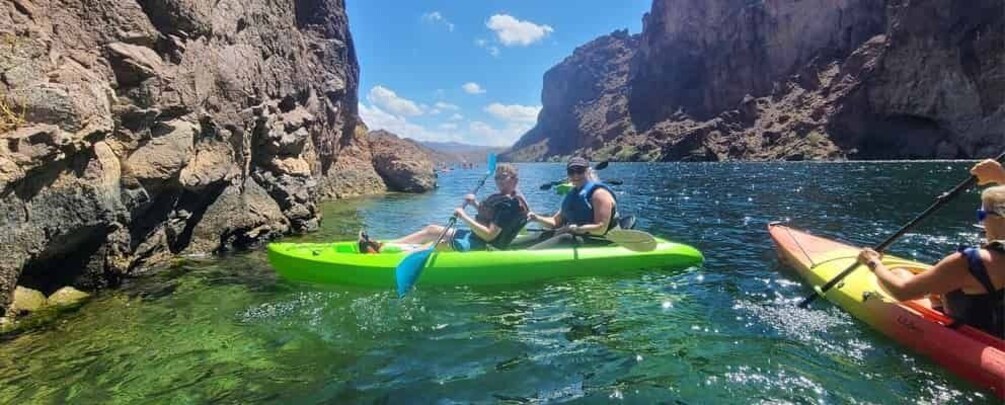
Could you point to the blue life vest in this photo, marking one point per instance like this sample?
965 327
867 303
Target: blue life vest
577 209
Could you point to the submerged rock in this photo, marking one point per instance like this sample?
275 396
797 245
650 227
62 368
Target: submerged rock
67 297
27 300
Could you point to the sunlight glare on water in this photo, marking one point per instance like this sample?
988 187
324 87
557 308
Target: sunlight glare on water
227 330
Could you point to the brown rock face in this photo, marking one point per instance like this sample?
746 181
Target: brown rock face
703 57
164 126
584 103
354 174
938 87
789 79
402 163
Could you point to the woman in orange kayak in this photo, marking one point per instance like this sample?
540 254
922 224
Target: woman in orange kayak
972 282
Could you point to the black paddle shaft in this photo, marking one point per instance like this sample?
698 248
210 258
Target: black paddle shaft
940 202
600 166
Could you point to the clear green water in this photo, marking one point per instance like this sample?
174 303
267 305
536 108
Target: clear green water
226 330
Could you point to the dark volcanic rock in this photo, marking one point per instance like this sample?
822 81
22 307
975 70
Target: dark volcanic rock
584 100
938 87
737 79
164 126
702 57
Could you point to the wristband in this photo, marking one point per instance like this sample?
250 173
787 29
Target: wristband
871 264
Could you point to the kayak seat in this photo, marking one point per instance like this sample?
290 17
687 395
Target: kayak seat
627 222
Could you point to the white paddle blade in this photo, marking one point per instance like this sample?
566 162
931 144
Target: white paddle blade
634 240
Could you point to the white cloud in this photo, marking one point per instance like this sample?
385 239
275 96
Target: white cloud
446 106
489 135
513 32
388 100
514 112
376 118
475 132
456 117
492 49
473 88
435 17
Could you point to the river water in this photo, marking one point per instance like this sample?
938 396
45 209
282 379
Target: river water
226 329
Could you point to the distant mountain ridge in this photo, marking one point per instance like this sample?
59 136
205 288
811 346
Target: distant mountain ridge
457 152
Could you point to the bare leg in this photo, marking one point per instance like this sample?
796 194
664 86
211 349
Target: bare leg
425 235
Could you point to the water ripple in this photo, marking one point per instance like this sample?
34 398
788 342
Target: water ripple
226 330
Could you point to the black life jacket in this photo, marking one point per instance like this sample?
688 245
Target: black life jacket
514 209
982 311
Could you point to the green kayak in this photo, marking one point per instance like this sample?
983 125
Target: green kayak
340 263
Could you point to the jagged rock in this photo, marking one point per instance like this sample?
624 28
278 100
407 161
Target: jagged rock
67 297
584 104
937 89
166 154
401 163
27 300
353 173
213 163
226 224
164 126
133 64
734 79
703 58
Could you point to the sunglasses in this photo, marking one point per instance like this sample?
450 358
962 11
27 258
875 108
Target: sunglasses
983 214
575 170
503 177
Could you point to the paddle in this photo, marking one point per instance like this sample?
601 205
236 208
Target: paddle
940 201
631 239
408 270
600 166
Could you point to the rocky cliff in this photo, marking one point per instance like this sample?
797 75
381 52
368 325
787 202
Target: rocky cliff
584 100
404 164
783 79
131 131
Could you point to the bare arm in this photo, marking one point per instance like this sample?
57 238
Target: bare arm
603 206
486 233
548 222
948 275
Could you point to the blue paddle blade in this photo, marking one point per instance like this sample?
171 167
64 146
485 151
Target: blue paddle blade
492 163
407 272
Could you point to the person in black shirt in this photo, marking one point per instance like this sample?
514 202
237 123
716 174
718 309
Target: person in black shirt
499 219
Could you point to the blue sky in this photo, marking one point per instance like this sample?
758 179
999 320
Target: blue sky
469 70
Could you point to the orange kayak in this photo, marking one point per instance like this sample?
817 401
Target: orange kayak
966 351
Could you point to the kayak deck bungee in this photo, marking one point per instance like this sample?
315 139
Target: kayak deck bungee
340 263
964 350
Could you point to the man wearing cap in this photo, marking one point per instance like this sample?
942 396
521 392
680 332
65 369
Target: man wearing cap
588 209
